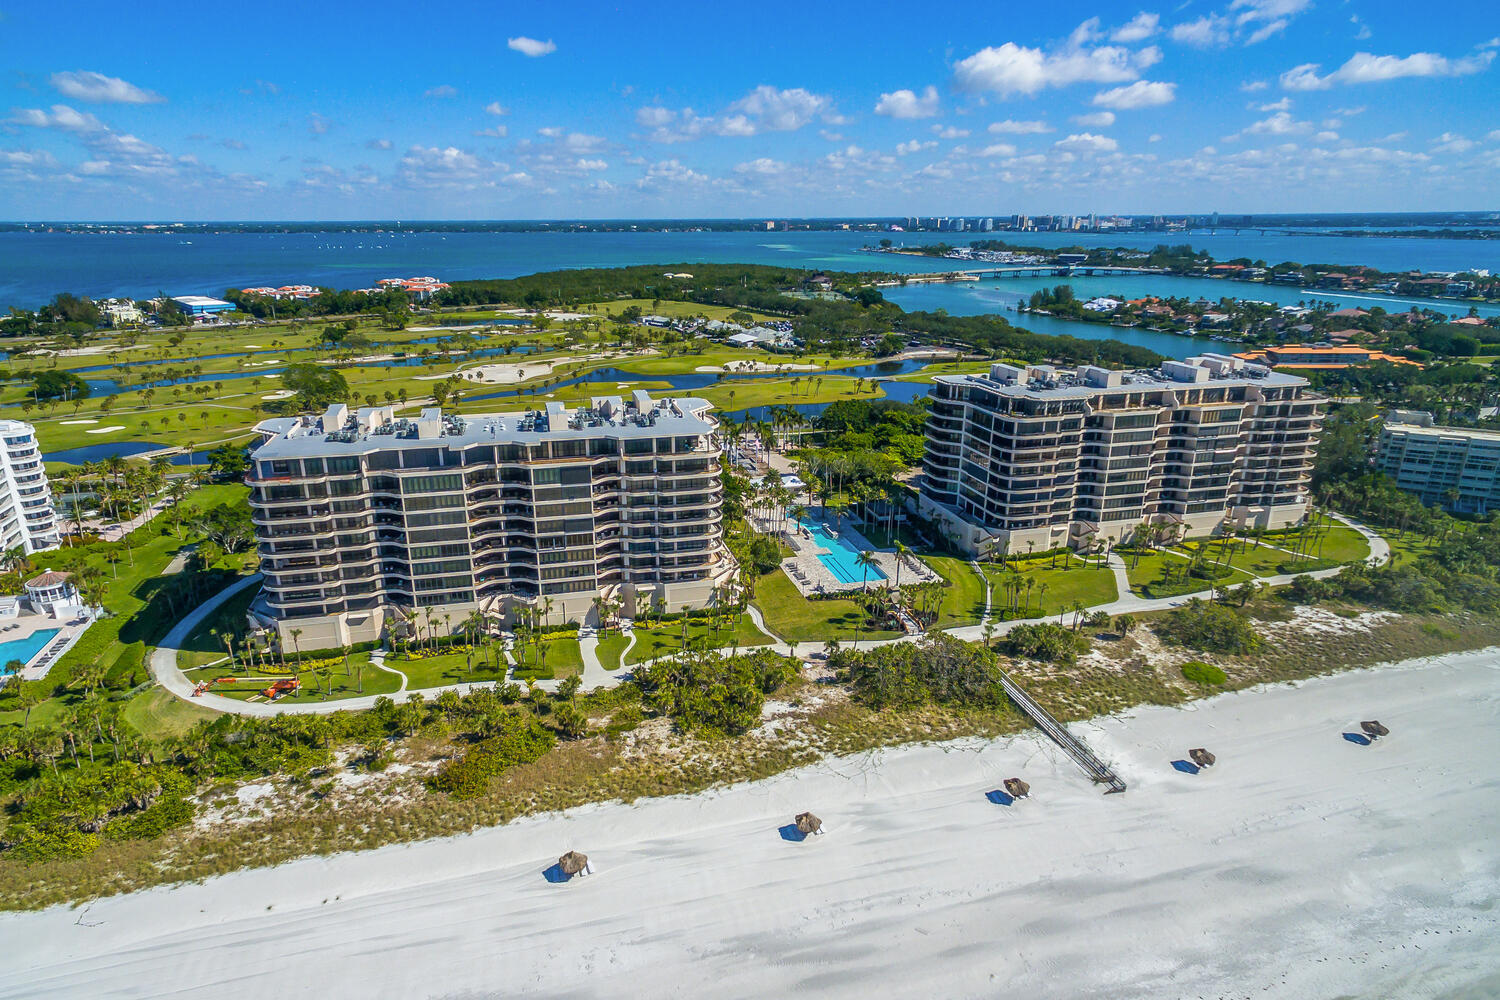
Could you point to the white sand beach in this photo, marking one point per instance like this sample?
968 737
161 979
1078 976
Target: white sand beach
1303 865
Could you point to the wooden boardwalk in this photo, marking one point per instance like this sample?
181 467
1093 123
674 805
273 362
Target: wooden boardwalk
1072 745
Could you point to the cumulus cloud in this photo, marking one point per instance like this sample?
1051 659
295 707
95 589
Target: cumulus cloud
1251 86
1137 29
441 92
998 149
1285 104
379 144
1010 69
530 46
1364 67
60 117
1095 119
1141 94
950 132
1281 123
1451 142
913 146
908 104
96 88
1012 127
763 167
496 108
438 167
764 109
1087 142
493 132
670 173
1205 32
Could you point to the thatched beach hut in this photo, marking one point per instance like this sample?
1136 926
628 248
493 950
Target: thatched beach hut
1016 788
1201 757
808 823
1374 729
572 863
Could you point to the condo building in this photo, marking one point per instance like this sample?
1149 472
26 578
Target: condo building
27 519
364 521
1456 467
1040 457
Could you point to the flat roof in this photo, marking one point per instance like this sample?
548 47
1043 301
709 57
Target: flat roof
372 429
200 300
1070 385
1437 430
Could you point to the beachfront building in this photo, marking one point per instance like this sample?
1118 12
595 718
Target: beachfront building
27 519
202 306
1457 467
1039 457
364 521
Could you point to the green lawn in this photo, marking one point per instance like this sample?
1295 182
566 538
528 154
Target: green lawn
797 619
1148 576
342 685
201 646
666 639
564 659
610 648
963 593
1054 590
1339 543
1410 547
443 669
163 714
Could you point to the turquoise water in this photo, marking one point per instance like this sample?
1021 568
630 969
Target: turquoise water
842 558
25 649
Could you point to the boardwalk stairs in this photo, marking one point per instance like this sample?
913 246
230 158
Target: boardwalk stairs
1072 745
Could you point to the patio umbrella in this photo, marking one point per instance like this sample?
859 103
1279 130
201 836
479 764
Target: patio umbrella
572 863
1201 757
808 823
1016 788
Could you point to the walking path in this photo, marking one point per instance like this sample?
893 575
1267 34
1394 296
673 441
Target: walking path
164 667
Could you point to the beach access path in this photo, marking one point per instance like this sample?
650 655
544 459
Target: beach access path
1304 864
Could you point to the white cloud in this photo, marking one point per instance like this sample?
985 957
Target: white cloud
998 149
86 85
1154 137
1281 123
441 92
379 144
496 108
908 104
430 166
1017 69
530 46
493 132
913 146
1494 136
1205 32
1326 136
590 165
764 109
1087 142
1095 119
1251 86
1451 142
1363 67
1012 127
950 132
670 172
1141 94
1285 104
1137 29
762 167
1267 30
317 124
1363 29
61 117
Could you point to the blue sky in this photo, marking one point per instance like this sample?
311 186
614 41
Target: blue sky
337 110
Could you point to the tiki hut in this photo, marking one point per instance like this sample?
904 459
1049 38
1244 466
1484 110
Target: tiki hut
1201 757
1016 788
572 863
808 823
1374 730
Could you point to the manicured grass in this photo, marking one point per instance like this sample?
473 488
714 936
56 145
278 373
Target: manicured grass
1339 542
797 619
201 647
163 714
963 593
666 639
443 669
1408 548
610 649
1149 575
1069 581
564 659
666 307
342 685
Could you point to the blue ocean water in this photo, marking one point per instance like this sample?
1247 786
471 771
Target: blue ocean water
35 266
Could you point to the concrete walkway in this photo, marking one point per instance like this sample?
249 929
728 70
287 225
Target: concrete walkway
166 672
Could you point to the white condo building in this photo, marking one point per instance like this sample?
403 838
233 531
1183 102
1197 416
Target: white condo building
27 519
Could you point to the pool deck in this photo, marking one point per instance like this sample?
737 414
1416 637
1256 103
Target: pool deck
810 576
69 629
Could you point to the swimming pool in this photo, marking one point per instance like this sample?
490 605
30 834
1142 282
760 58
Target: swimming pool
25 649
842 558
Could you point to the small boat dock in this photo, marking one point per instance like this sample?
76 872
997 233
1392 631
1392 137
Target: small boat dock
1072 745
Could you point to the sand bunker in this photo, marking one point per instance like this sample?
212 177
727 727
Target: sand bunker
105 430
67 423
753 366
279 394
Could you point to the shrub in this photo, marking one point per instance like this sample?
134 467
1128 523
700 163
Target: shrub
940 669
1203 673
1210 627
1047 641
520 739
722 695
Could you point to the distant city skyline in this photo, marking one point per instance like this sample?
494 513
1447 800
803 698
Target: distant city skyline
345 111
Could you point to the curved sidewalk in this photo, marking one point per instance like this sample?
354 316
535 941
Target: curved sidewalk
166 672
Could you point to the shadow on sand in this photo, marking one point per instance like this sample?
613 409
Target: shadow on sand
1000 797
1186 766
791 834
555 874
1359 738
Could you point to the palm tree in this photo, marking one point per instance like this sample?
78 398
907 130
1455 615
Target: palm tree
865 560
296 634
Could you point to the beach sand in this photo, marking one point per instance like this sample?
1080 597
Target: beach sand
1303 865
